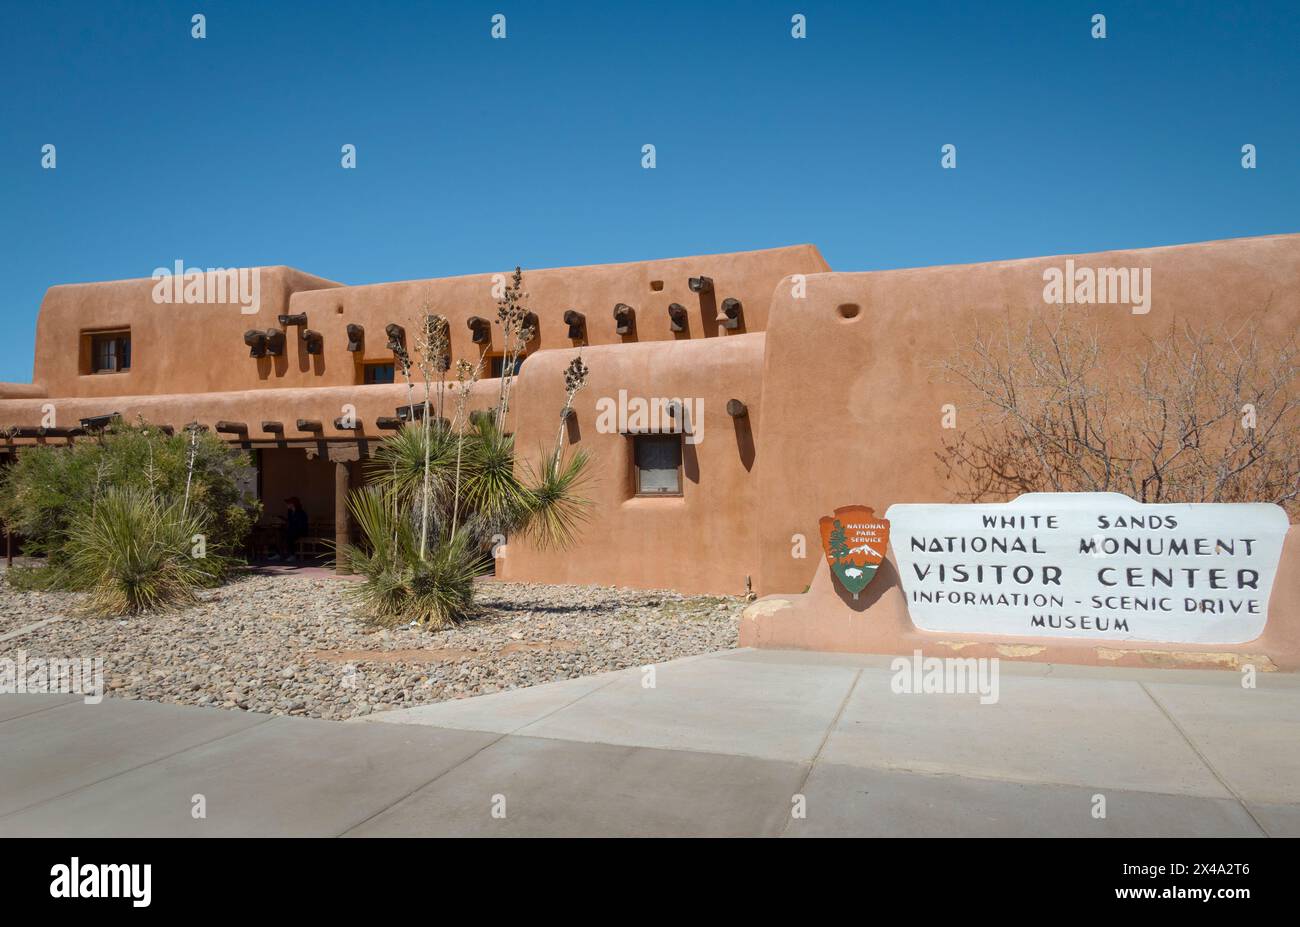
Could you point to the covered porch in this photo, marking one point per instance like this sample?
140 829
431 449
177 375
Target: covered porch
319 474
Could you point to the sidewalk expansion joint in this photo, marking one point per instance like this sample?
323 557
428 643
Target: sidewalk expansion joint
1204 759
830 729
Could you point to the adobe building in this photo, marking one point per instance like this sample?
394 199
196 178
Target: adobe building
809 388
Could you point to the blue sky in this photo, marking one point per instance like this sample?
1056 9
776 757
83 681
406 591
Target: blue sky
475 154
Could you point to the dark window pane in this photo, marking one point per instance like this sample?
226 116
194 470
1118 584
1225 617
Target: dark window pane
658 458
496 365
110 352
379 373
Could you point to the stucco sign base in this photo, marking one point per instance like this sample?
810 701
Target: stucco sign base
827 618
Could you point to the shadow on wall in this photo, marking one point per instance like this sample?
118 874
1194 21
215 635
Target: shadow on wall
690 462
708 314
744 440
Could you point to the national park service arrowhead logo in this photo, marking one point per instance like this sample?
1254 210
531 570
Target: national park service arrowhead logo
855 541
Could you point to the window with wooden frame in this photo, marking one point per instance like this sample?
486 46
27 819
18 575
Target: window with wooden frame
496 364
657 464
109 352
381 372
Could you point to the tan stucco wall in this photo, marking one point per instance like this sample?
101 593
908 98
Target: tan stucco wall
197 348
186 348
852 408
700 542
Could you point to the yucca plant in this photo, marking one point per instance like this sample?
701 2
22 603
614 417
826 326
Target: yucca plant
490 486
441 492
398 463
132 553
556 509
436 590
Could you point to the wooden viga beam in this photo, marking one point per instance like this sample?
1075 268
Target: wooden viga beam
577 323
731 313
274 342
480 329
256 341
624 319
315 341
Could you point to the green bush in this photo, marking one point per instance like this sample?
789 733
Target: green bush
133 552
32 578
51 490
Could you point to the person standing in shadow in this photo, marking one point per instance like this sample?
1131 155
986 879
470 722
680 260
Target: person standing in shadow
294 528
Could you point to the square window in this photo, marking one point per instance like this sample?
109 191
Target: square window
379 373
657 464
110 352
497 365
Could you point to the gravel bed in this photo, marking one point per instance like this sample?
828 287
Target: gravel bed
294 645
20 609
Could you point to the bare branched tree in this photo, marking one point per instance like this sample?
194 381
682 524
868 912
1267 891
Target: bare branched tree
1195 415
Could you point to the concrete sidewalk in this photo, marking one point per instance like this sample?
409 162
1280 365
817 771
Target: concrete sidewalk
721 744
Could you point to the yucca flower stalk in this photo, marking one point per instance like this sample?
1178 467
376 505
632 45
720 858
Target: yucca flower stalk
575 378
432 347
512 316
466 377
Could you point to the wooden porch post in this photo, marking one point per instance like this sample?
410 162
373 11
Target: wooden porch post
342 473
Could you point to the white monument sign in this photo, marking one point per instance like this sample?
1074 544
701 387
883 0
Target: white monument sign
1090 565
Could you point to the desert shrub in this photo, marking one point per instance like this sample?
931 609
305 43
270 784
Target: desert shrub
1195 415
133 552
50 490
